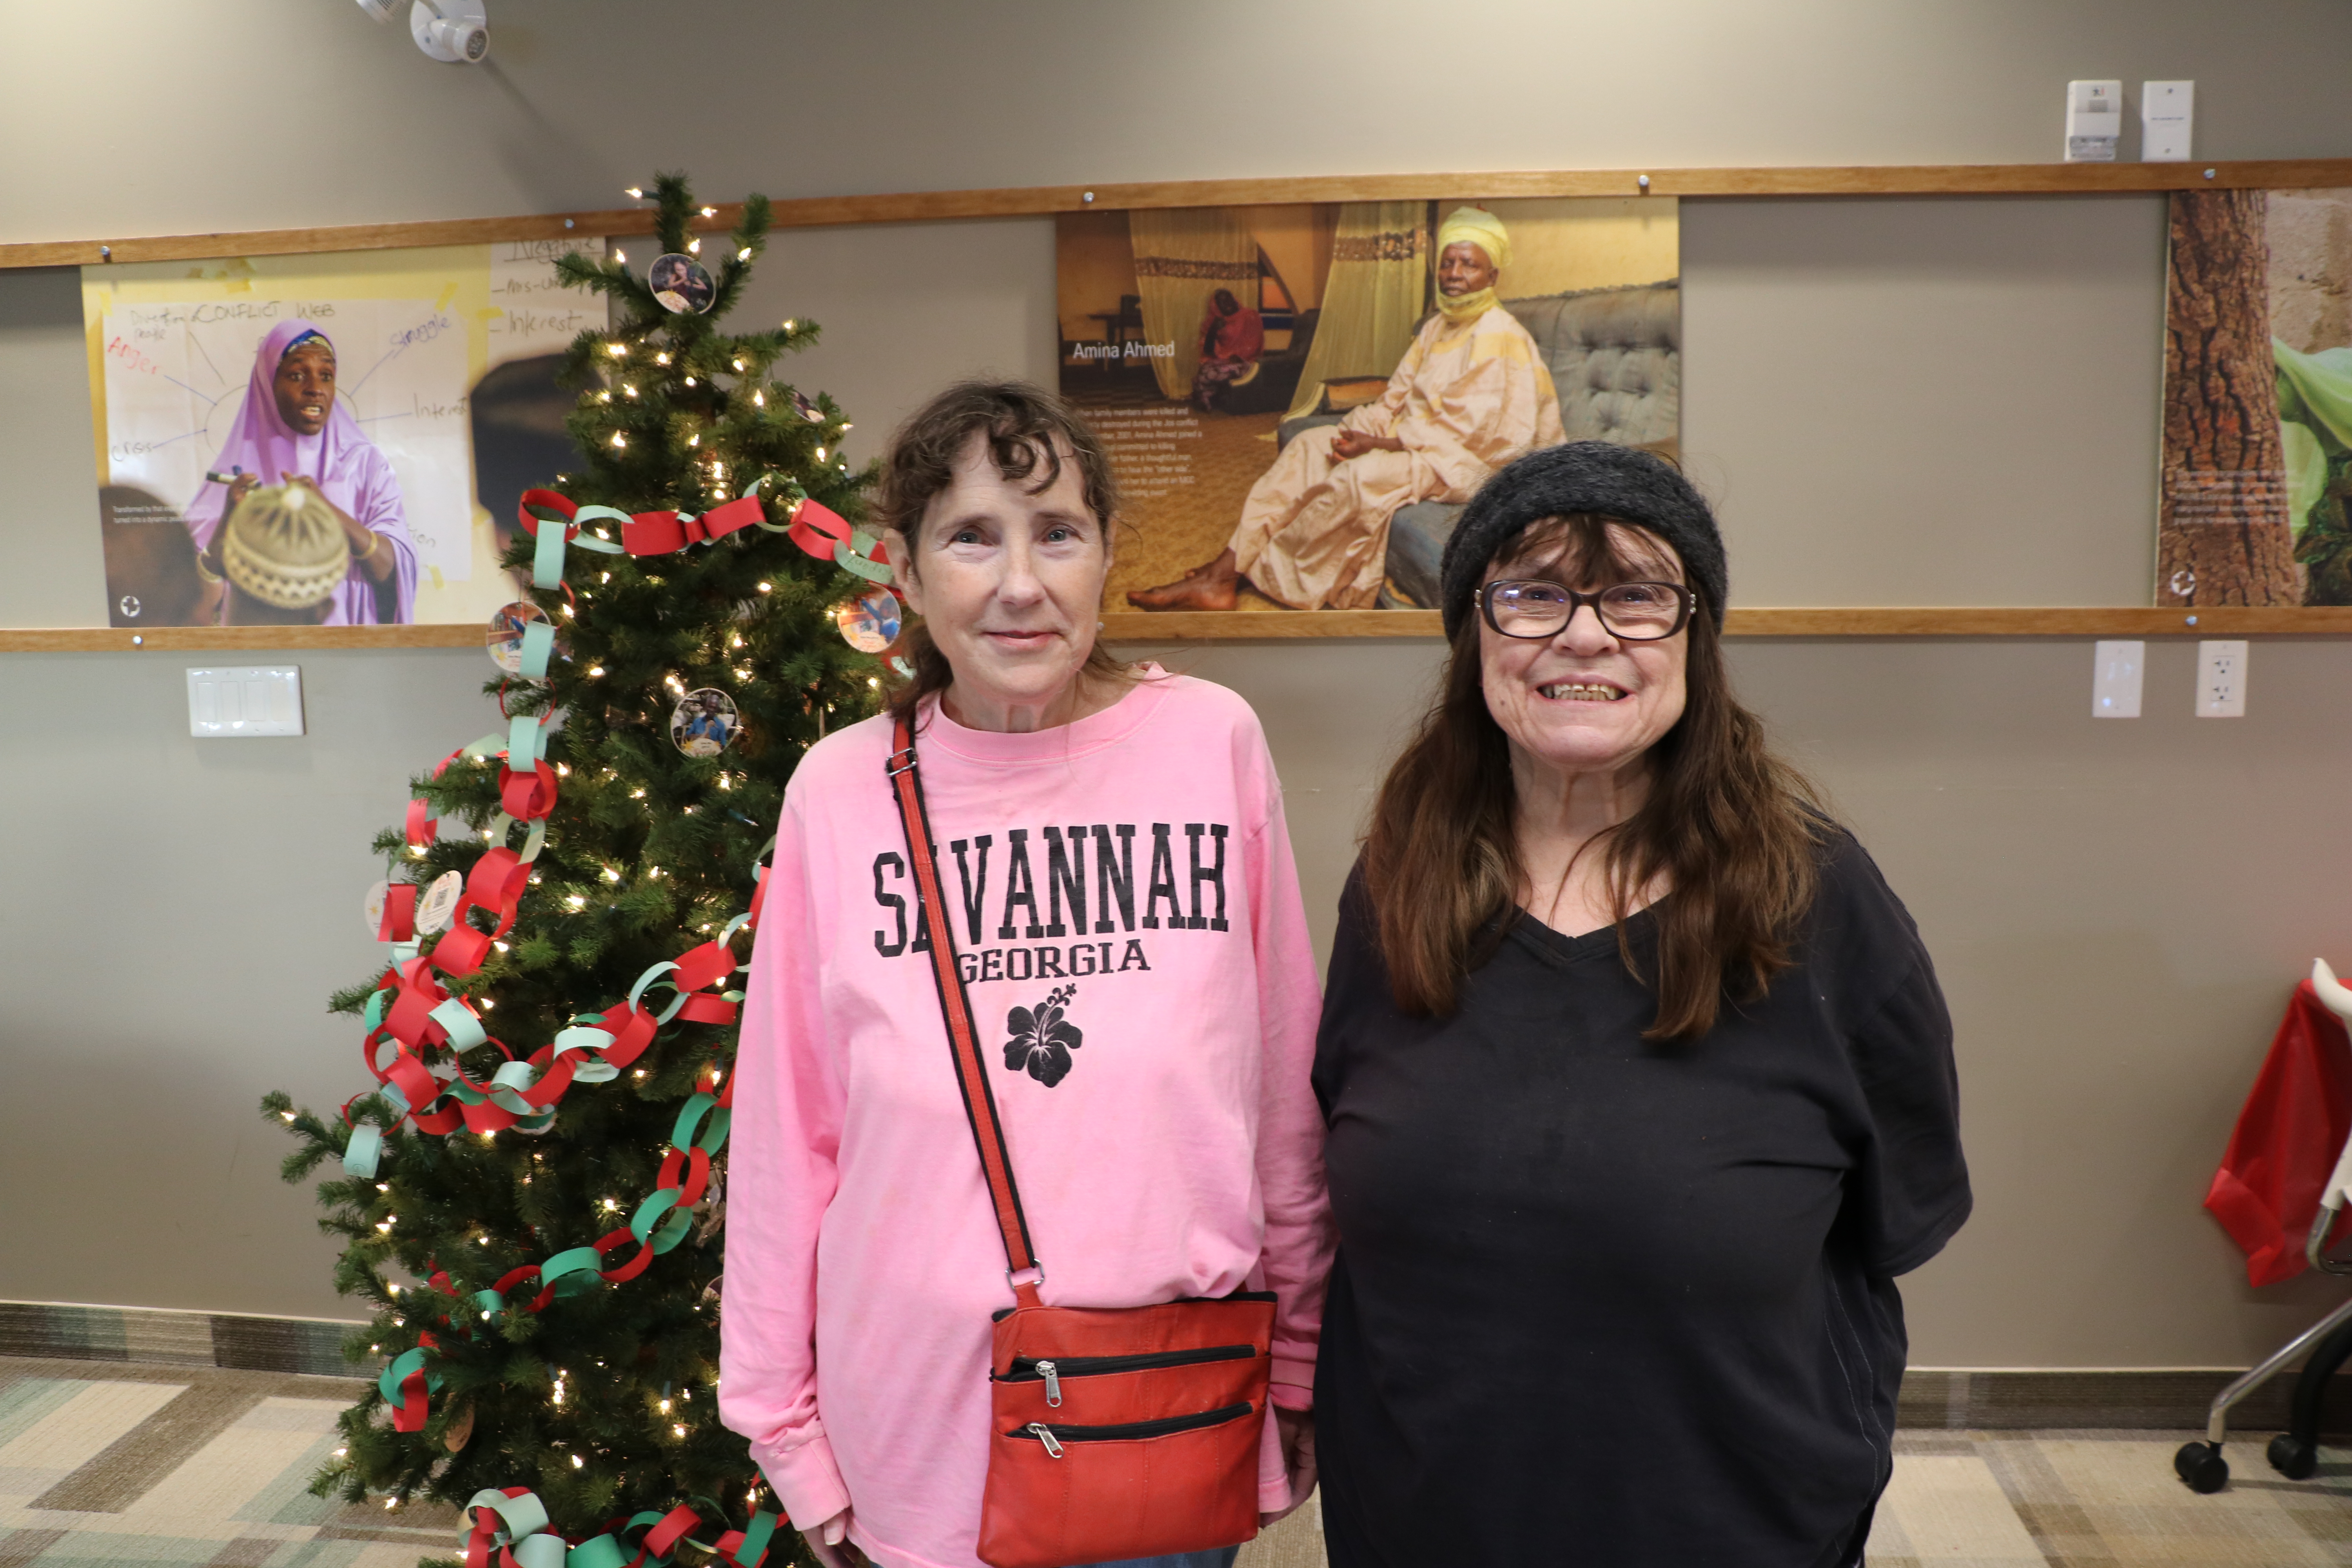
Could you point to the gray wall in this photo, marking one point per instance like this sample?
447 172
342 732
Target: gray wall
1895 402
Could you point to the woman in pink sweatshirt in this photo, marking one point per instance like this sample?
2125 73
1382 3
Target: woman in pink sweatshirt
1121 896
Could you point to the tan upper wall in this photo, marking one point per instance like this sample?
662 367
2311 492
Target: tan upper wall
311 114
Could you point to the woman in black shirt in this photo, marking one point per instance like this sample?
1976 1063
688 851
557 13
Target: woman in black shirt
1639 1083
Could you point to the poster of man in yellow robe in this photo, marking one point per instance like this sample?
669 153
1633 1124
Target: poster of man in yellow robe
1299 400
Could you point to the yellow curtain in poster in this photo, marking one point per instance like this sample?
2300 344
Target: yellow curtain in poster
1182 257
1380 271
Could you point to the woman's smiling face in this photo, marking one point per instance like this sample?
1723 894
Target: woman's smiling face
1009 580
305 384
1583 700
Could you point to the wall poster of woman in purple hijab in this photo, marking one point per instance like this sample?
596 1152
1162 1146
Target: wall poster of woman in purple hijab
294 437
336 440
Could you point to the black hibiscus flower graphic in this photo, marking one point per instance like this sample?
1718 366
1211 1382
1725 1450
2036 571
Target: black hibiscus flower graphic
1043 1040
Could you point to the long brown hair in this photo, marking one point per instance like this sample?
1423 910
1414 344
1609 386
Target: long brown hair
1028 431
1732 831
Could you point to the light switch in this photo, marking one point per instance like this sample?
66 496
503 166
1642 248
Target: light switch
2220 680
2115 679
2164 109
248 701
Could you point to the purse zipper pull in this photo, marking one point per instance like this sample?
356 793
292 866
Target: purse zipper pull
1052 1376
1045 1436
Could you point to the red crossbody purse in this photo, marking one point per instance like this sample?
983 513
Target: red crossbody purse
1116 1431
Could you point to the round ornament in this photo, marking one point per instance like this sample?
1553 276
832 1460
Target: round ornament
870 622
372 907
705 723
681 284
438 907
504 636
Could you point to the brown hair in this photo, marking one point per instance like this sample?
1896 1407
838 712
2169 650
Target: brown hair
1028 431
1731 830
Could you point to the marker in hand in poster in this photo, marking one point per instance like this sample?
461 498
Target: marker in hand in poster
227 478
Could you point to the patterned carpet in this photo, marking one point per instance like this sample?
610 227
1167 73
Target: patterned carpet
1185 476
2020 1499
106 1463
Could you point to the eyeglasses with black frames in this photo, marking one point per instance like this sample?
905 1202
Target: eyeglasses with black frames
1632 612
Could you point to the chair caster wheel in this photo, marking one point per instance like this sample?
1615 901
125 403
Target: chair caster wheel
2201 1466
2293 1458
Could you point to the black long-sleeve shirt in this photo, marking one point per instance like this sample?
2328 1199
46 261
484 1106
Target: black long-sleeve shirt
1605 1301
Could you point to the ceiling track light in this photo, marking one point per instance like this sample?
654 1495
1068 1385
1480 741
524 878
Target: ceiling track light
455 32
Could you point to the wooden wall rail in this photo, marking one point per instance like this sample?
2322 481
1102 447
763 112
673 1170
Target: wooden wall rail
1865 180
1862 180
1134 626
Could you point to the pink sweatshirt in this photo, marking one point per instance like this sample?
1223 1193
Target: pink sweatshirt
1131 869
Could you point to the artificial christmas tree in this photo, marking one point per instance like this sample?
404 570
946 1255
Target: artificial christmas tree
531 1198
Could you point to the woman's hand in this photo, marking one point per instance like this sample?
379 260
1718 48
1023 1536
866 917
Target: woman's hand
368 548
828 1542
239 487
1297 1430
1355 444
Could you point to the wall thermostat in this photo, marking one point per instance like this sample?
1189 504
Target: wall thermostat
2095 121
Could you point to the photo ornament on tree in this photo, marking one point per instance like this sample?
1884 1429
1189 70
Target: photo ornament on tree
705 723
681 283
870 622
504 636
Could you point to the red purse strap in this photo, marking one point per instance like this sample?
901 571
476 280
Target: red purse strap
963 1038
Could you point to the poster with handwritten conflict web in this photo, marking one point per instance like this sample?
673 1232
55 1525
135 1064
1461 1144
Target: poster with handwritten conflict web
443 362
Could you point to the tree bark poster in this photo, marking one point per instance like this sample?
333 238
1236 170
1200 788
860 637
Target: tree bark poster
2256 488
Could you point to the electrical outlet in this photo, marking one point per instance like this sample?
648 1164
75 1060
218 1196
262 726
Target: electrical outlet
2220 680
246 702
2115 679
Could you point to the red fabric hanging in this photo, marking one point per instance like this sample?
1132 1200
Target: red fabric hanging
2287 1141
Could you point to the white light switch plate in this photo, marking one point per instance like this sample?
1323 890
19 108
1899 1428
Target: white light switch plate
2165 113
246 701
2220 680
2115 679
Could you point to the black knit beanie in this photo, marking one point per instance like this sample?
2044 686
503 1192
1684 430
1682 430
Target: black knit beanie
1600 477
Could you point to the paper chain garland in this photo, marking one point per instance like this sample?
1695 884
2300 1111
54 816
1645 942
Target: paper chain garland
417 1011
819 531
509 1527
414 1012
659 1223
